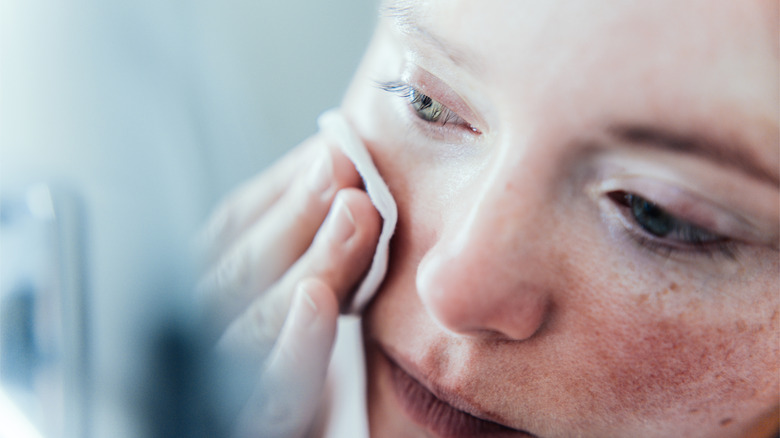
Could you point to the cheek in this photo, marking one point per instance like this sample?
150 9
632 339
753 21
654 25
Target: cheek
684 366
664 343
660 347
707 365
430 194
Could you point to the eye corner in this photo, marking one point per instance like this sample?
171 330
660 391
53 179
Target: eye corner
620 197
465 125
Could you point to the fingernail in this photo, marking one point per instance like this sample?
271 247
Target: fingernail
321 175
306 309
341 223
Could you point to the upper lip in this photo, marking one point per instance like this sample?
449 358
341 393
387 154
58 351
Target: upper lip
439 391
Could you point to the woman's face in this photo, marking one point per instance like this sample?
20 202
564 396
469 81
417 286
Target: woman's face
588 232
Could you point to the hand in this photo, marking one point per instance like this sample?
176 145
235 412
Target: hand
295 240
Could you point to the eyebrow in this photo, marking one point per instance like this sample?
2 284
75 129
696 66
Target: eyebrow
728 154
724 153
403 13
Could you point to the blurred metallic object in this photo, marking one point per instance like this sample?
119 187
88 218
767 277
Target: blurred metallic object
43 309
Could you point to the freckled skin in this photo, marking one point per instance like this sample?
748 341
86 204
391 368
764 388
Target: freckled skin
621 366
506 286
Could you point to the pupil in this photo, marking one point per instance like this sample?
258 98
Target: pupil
650 217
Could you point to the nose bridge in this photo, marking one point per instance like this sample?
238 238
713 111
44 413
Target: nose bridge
506 211
478 278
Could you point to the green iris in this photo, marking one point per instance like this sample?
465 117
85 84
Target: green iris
427 108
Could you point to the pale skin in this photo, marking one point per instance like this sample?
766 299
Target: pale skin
518 279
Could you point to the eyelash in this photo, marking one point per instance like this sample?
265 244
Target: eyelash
686 237
679 236
419 102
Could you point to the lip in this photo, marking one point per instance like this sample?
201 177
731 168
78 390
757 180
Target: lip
435 408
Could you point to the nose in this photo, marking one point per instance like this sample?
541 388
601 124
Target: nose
489 274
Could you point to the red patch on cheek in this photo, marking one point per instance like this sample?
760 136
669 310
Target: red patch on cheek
675 368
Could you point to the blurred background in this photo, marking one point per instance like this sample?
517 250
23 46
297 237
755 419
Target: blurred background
121 125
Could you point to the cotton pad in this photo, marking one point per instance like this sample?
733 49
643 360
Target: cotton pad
333 124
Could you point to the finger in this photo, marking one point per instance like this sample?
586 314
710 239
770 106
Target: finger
341 252
280 237
339 256
247 203
290 386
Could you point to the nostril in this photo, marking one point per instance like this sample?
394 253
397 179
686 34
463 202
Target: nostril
488 335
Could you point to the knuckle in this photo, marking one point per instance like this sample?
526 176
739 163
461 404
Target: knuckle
216 231
229 278
263 325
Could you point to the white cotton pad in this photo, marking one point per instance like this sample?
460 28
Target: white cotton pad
338 128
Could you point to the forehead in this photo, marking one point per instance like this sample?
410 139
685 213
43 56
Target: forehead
661 30
710 55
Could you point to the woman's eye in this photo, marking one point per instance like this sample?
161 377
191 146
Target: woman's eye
425 107
665 229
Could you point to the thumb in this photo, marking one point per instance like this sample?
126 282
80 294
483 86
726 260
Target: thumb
288 393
